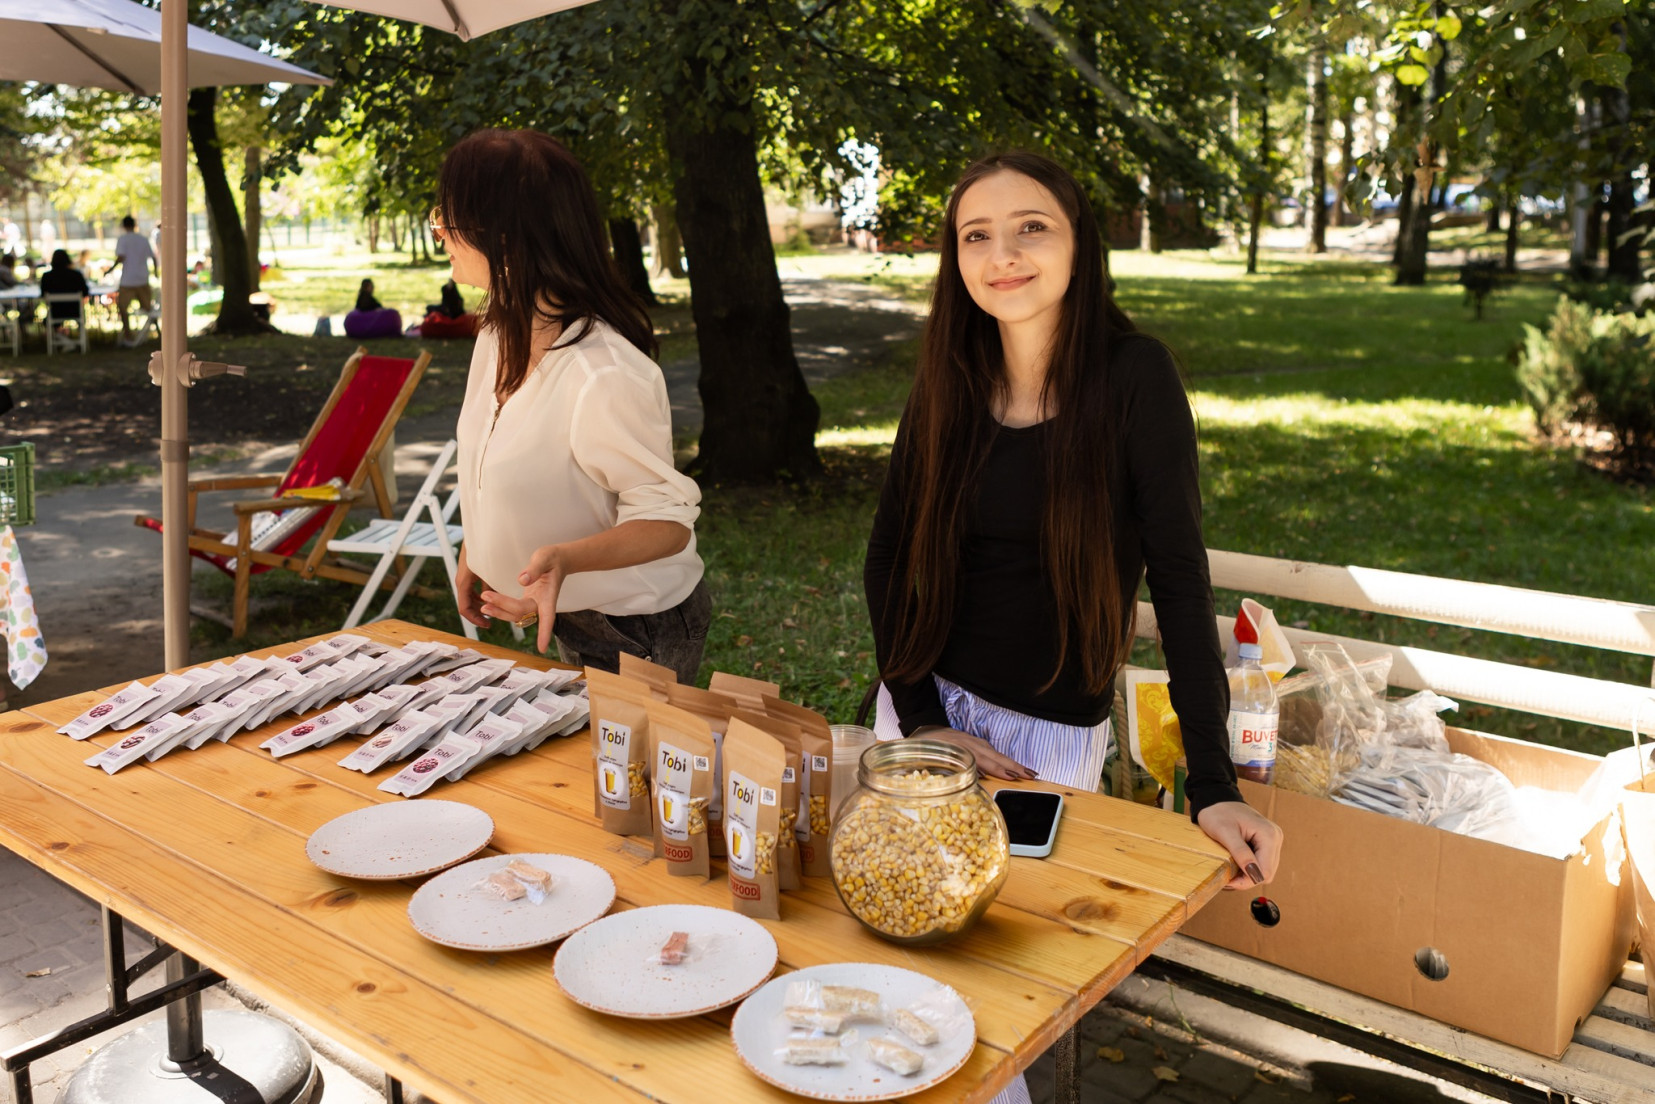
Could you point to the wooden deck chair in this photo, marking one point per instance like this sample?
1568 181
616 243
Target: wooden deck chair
419 538
426 530
343 447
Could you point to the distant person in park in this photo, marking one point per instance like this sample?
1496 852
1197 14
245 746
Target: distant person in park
8 270
10 236
1046 458
575 515
371 318
448 318
136 258
63 278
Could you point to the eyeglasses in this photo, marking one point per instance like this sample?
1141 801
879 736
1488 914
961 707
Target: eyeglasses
439 232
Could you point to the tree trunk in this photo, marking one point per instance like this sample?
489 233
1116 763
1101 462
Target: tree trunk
759 418
628 247
1149 230
1492 226
252 174
1404 218
1583 204
1624 245
1347 153
1255 211
230 263
669 245
373 233
1318 149
1512 220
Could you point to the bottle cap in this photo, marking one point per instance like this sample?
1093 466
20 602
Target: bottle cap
1250 651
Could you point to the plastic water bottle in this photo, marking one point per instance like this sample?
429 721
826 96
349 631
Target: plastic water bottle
1255 717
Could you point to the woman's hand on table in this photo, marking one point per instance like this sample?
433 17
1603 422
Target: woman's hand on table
466 586
1252 839
989 761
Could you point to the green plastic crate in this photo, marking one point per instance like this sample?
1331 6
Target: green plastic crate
17 484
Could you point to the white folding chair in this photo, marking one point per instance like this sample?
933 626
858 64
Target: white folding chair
59 342
415 537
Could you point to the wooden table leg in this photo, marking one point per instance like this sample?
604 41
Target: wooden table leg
1066 1080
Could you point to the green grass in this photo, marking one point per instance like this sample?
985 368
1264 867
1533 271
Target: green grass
1342 421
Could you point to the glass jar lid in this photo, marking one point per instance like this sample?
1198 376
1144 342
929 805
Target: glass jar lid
917 768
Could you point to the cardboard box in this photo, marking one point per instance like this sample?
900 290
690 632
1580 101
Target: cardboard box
1638 815
1506 943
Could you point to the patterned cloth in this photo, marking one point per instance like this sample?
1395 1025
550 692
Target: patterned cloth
1063 755
25 649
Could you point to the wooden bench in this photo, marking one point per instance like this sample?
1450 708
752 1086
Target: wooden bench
1612 1059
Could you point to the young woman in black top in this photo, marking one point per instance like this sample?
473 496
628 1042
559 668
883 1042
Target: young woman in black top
1046 459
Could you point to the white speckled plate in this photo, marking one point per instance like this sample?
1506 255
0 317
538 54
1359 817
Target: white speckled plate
606 967
451 910
759 1031
402 839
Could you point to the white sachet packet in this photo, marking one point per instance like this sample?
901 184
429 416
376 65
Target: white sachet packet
344 644
208 719
318 731
453 661
365 675
495 699
557 678
313 656
399 739
112 711
170 690
490 735
573 723
531 722
243 669
267 694
208 683
426 769
154 749
292 688
132 747
323 681
554 712
372 710
402 663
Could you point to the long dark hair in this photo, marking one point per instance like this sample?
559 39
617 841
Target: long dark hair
522 200
949 425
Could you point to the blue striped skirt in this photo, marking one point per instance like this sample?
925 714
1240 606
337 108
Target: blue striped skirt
1064 755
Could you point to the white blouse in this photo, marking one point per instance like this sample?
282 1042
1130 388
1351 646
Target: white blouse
583 446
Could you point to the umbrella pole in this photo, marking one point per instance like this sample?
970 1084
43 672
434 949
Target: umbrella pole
175 441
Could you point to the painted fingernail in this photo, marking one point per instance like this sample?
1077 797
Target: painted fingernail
1255 873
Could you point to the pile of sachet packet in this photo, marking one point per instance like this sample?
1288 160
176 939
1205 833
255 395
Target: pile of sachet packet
468 709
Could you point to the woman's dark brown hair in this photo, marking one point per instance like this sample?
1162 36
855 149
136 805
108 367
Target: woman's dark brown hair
522 200
949 425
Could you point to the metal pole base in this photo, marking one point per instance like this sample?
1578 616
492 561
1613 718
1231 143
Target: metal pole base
250 1059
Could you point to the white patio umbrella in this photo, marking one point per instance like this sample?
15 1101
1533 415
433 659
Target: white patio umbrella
466 18
116 44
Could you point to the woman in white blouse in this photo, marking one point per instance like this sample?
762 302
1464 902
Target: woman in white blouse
574 515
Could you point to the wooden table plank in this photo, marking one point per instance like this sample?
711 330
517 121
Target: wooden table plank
305 790
371 918
1062 933
225 927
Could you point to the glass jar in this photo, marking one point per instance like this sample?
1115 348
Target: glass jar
919 850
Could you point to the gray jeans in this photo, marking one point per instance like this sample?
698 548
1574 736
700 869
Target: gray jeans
673 638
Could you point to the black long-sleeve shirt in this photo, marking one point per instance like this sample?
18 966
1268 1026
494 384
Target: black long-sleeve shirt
1002 644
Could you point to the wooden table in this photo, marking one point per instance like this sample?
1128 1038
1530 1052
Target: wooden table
205 850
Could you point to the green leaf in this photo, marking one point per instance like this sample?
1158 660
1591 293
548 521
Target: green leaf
1588 11
1412 75
1609 69
1448 28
